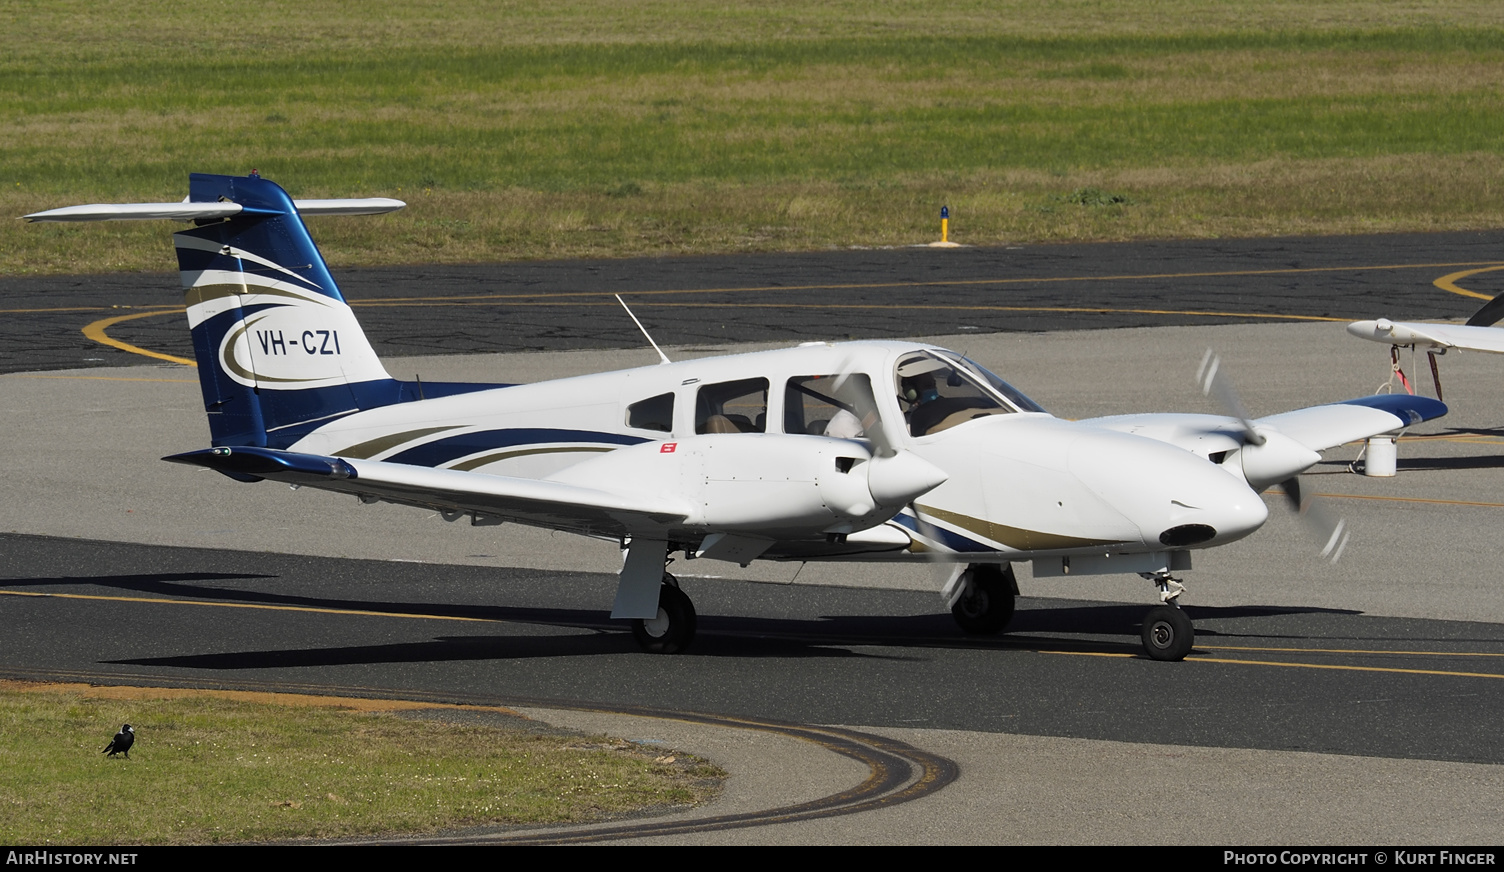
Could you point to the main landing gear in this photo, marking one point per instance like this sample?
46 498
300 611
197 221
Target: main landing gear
985 598
674 627
1167 632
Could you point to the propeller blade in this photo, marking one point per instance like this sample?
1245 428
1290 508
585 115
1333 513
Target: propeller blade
1330 529
895 473
1215 384
1292 492
855 390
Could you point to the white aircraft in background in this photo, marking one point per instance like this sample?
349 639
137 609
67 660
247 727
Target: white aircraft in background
1478 334
860 451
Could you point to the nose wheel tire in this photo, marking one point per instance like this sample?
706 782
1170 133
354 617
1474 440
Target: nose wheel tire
1167 633
987 605
674 627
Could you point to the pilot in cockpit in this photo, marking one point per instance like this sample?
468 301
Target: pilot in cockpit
920 389
936 396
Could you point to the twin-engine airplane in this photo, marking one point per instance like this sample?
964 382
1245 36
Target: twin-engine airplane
859 451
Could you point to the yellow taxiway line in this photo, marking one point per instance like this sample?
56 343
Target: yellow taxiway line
1349 651
1393 669
96 332
1298 665
263 606
1448 282
74 377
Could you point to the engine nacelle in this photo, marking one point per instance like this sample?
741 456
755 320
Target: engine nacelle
770 484
1278 459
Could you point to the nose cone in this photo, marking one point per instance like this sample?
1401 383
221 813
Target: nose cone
1211 512
1176 499
897 480
1379 330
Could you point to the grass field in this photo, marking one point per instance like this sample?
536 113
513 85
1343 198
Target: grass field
615 128
208 769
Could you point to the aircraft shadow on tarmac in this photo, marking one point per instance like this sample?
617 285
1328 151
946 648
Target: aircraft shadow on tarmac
1040 624
1497 432
1415 464
899 638
1478 461
1437 464
161 583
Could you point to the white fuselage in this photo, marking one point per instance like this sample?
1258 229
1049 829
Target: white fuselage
1018 485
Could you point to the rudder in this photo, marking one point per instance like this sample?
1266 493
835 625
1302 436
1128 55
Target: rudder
276 343
279 351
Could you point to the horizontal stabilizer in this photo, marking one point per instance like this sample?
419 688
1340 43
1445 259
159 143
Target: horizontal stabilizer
191 211
364 206
257 464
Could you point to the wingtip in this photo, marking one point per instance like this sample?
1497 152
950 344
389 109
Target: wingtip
1410 409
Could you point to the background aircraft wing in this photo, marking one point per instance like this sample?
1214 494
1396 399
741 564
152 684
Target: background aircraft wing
1462 337
488 498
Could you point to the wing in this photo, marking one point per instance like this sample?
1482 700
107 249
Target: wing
1285 445
1322 427
1462 337
772 487
486 498
1315 427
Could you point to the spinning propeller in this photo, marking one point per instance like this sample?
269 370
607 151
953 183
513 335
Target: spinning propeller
894 477
1269 457
854 387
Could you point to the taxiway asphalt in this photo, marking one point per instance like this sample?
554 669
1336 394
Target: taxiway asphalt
860 294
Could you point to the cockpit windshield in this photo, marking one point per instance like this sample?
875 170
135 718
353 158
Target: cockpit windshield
941 390
1009 392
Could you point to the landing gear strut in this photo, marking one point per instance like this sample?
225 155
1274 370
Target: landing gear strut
986 598
1167 632
674 627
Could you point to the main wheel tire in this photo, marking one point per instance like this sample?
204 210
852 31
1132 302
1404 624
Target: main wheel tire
987 605
1167 633
674 627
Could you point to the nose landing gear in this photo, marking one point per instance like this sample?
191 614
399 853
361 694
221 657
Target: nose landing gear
1167 632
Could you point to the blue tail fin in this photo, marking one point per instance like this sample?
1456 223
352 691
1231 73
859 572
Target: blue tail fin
279 350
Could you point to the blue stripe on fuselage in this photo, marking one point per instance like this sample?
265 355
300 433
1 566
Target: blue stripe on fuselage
953 541
442 451
311 408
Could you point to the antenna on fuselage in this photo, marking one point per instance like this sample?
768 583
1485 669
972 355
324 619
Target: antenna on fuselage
662 358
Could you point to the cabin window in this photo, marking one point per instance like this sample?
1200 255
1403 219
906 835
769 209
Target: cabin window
733 407
814 405
937 394
654 413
